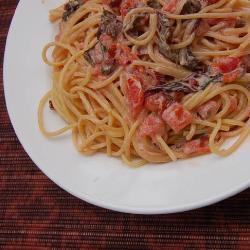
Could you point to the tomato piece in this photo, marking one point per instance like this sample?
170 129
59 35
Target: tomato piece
177 117
152 125
128 5
135 96
208 109
231 68
232 76
198 146
170 6
156 102
124 55
226 64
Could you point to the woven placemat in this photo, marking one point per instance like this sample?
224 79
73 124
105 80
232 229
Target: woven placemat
35 213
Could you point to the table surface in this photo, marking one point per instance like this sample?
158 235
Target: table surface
35 213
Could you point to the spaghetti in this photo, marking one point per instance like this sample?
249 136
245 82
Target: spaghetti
150 80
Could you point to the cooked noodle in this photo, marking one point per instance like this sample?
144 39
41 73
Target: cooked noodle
92 95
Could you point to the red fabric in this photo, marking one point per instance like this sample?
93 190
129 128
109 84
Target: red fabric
36 214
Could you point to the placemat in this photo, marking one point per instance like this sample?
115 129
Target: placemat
36 214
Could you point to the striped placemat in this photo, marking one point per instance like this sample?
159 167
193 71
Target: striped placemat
36 214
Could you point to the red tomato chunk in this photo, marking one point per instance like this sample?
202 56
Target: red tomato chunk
156 102
198 146
230 67
226 64
177 117
124 55
152 126
135 96
232 76
171 6
128 5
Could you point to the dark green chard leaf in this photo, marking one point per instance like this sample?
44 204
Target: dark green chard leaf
193 83
154 4
88 57
164 33
188 60
107 69
163 27
88 54
206 79
183 57
107 65
109 25
191 6
137 24
70 8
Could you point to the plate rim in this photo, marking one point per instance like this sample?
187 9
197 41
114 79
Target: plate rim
124 209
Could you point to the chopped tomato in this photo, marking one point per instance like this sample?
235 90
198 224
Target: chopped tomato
198 146
152 125
208 109
226 64
230 67
232 76
156 102
171 5
128 5
233 103
124 55
177 117
135 96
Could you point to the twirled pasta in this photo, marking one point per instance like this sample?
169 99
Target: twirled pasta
92 97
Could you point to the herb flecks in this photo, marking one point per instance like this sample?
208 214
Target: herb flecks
191 6
89 57
107 69
137 24
109 25
183 57
164 32
70 8
193 83
154 4
188 60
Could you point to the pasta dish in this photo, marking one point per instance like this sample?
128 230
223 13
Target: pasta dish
150 80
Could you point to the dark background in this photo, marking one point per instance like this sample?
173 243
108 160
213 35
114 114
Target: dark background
36 214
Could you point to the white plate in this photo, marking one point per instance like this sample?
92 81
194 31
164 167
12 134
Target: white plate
100 180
